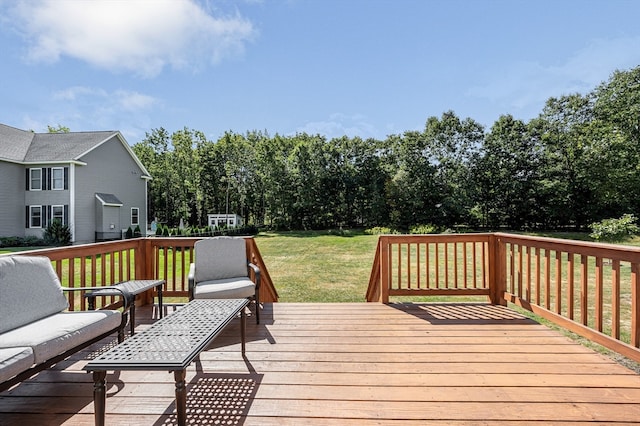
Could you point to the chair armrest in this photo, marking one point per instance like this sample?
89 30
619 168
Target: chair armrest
256 271
125 296
191 279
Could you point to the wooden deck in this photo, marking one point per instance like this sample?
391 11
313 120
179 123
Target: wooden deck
348 364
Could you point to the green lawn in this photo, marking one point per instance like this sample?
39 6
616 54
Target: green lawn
319 266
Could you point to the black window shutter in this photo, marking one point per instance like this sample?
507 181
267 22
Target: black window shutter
46 216
48 170
27 223
66 215
66 178
28 179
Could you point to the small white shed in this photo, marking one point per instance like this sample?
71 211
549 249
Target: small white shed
221 220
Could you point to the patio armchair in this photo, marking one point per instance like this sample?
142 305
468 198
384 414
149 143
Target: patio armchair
221 271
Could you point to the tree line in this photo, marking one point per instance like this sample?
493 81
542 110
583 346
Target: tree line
576 163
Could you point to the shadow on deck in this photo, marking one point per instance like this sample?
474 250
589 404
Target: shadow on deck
359 363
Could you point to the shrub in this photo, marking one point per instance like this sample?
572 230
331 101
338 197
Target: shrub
57 234
613 230
136 231
424 229
379 230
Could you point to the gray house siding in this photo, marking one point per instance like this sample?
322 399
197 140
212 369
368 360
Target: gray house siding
44 197
12 198
69 170
110 169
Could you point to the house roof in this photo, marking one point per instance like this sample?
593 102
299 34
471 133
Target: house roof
14 143
108 199
27 147
64 146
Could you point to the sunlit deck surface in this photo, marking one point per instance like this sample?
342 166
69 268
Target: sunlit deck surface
352 364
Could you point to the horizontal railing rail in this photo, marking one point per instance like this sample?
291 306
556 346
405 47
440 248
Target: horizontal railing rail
107 263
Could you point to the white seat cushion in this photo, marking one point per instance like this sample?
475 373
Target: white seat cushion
29 290
60 332
229 288
14 361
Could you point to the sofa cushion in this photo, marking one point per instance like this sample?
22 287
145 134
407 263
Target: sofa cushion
29 290
219 258
229 288
14 361
60 332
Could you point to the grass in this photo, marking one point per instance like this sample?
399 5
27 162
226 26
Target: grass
319 266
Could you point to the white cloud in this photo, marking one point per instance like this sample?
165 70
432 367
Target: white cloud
123 99
526 86
138 36
338 125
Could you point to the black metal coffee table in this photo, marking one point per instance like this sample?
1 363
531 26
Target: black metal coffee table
171 343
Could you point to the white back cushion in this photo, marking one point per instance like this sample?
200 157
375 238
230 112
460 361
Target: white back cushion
29 290
220 257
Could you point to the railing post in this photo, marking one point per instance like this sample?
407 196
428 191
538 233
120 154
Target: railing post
635 305
384 270
497 270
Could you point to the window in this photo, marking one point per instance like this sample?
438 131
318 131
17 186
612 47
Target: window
35 215
35 179
57 178
57 213
135 214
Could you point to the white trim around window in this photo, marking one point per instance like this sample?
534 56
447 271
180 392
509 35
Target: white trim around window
57 212
57 178
135 215
35 179
35 216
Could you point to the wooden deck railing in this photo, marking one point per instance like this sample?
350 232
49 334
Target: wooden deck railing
588 288
430 265
103 264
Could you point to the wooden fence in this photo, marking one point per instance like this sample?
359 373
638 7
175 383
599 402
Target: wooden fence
588 288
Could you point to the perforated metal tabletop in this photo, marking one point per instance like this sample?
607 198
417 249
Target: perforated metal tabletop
174 341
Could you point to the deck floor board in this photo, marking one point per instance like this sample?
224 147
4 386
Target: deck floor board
352 364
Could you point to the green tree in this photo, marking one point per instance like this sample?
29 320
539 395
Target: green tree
59 129
506 175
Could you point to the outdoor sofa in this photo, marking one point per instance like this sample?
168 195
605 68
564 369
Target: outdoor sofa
36 328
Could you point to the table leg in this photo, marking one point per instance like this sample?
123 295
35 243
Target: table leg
99 396
160 300
243 322
132 313
181 396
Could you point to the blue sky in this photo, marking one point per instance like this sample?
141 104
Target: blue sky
367 68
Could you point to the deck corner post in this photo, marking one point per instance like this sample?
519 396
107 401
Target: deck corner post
497 270
384 270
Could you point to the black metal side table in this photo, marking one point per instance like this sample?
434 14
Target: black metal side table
130 289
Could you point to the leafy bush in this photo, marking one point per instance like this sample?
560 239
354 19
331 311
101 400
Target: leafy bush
57 234
379 230
129 233
613 230
136 231
424 229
